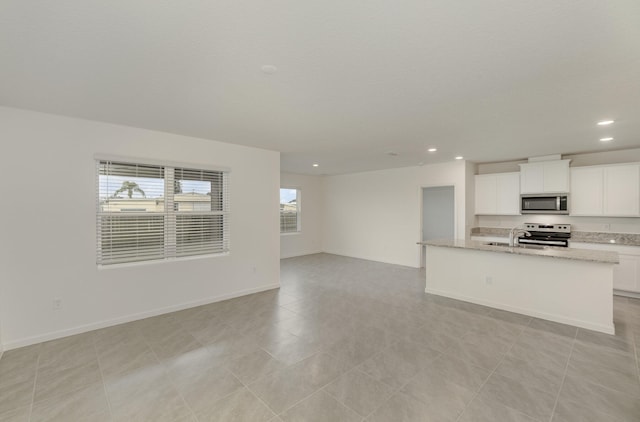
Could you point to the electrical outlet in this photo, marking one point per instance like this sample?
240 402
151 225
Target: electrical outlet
606 227
57 304
488 280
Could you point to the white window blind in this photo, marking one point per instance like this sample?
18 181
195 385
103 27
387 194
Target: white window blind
201 219
152 212
289 210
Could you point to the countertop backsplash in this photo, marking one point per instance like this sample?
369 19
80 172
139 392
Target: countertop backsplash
582 224
625 239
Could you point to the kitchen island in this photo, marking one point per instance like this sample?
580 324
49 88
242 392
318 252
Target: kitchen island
570 286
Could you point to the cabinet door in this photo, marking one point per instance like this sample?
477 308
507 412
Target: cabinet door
556 176
586 191
625 274
531 178
486 194
622 190
508 194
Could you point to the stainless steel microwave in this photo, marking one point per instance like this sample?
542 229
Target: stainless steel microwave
544 204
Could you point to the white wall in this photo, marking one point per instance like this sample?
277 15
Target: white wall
309 239
376 215
48 227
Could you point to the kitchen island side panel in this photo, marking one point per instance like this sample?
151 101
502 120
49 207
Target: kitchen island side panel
578 293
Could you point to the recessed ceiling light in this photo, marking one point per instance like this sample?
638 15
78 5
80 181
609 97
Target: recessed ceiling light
605 122
315 165
269 69
432 149
459 157
606 139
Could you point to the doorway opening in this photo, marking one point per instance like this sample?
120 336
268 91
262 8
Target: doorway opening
438 215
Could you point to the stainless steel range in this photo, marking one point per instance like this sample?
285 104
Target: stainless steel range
547 234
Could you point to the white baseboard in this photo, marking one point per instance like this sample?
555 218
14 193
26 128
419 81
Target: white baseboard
608 329
299 254
626 293
27 341
365 258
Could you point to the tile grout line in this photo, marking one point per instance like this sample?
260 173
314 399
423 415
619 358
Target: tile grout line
611 350
324 390
477 393
35 382
359 369
104 383
304 398
397 390
164 369
564 376
258 397
206 346
354 369
266 375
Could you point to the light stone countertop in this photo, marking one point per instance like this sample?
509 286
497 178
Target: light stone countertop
625 239
588 255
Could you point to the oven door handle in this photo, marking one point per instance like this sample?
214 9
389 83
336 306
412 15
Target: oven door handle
542 242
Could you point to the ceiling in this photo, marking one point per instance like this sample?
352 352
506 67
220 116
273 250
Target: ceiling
489 80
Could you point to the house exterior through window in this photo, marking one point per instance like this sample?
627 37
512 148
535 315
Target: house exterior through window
289 210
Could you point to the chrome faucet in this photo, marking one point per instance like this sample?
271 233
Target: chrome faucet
515 233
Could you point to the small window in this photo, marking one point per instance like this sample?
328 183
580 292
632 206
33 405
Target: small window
289 210
154 212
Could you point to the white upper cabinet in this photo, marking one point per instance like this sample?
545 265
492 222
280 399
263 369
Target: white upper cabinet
508 197
498 194
612 191
531 178
486 194
545 177
622 190
587 190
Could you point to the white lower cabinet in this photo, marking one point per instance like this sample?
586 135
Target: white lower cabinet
626 275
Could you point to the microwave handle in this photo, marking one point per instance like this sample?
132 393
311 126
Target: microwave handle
558 203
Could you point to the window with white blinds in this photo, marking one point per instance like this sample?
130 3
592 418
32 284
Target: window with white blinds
153 212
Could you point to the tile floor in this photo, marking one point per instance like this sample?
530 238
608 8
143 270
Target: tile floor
342 340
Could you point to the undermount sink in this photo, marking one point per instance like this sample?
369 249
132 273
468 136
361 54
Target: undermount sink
523 245
530 246
497 244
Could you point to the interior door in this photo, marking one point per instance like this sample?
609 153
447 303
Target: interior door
438 214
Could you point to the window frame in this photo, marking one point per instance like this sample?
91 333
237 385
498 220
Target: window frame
170 214
298 212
